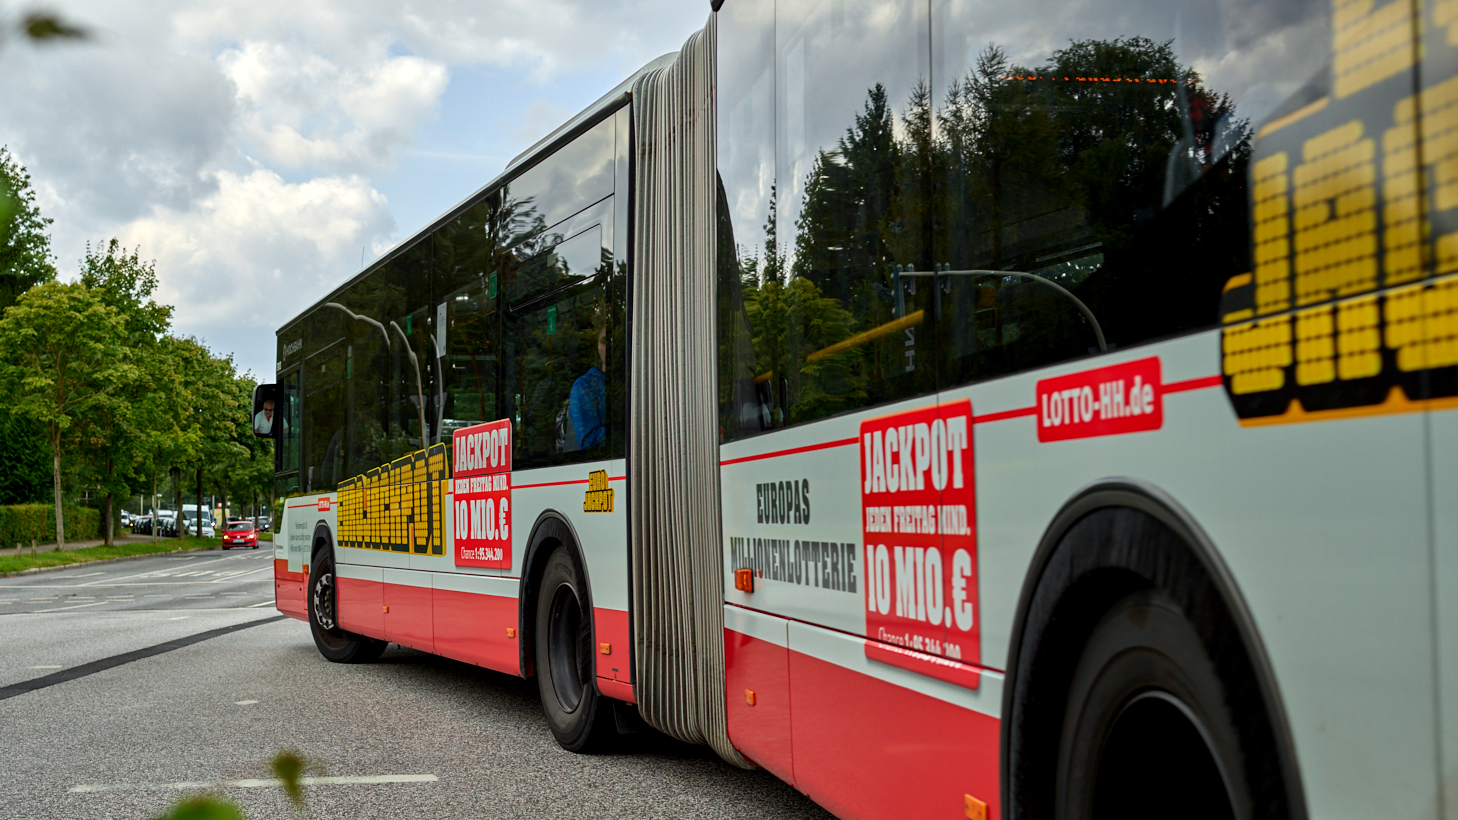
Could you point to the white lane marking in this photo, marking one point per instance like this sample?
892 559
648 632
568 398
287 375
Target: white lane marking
45 667
150 572
34 600
252 783
88 574
260 603
64 608
180 618
235 703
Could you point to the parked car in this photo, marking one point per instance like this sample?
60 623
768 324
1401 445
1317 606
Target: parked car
190 520
126 518
240 534
141 525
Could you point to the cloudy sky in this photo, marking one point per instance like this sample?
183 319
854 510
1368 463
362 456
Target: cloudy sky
258 150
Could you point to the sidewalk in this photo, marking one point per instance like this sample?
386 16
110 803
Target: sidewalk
122 537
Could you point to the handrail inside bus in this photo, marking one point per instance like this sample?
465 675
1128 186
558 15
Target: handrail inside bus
1018 274
914 319
909 320
419 387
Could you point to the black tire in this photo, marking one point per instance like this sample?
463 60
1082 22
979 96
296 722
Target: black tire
580 719
1148 732
334 643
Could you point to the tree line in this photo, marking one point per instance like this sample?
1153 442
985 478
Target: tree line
103 398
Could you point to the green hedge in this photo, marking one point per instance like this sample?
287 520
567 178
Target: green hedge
19 523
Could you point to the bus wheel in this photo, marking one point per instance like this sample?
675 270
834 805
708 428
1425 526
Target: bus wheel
581 720
1147 730
334 643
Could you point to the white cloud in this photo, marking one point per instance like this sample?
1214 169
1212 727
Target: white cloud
246 258
306 111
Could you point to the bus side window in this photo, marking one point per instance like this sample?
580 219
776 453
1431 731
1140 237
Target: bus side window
323 459
832 324
288 450
557 341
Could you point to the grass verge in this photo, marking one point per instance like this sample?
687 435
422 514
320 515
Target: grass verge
17 563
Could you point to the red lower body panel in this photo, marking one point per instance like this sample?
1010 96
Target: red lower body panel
614 672
288 590
410 616
471 627
865 748
760 730
361 606
464 626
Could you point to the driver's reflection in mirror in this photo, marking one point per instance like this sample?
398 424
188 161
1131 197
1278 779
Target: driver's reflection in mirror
263 419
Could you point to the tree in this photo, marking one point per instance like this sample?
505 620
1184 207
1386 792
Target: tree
163 437
226 451
26 476
25 246
62 352
110 434
210 415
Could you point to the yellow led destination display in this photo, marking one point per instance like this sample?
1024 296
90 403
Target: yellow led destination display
1349 308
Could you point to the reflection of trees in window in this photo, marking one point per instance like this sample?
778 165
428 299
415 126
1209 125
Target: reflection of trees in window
1129 194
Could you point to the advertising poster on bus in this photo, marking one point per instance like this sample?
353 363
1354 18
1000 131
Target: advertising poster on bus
918 508
481 491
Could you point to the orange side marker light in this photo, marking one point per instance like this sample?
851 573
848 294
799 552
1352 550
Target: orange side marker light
744 580
749 696
975 809
511 632
605 648
387 609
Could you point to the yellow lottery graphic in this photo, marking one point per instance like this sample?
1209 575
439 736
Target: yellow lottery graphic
399 507
1350 306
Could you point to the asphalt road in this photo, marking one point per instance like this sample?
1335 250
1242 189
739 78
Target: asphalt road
409 735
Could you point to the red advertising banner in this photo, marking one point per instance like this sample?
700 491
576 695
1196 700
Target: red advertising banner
1120 398
919 527
481 495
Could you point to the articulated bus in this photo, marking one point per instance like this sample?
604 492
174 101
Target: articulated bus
956 408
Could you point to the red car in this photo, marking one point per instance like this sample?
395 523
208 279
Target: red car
240 534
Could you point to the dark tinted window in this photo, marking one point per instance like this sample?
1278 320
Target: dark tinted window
468 277
557 351
324 419
562 376
818 318
1002 187
288 450
577 175
1092 170
382 388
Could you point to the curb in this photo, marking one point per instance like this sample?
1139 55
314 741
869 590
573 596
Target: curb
119 559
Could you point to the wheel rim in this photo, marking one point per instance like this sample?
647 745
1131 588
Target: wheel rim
323 601
1156 762
563 648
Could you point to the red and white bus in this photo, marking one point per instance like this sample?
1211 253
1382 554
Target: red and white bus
957 408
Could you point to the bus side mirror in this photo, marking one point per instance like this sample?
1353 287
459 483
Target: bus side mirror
267 411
